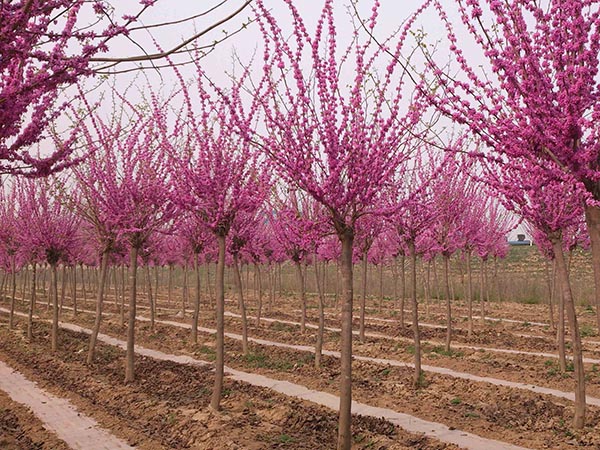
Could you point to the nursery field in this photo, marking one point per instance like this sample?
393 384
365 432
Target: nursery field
499 387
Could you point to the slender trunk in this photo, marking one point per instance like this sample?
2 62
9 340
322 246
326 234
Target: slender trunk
63 285
436 281
337 283
170 285
129 369
428 288
83 286
363 299
496 279
156 280
271 288
54 335
380 286
99 301
185 292
151 299
481 292
24 284
320 331
345 419
215 402
32 302
448 305
592 217
580 407
549 285
560 331
122 306
470 292
196 314
242 306
415 314
402 288
74 288
260 294
300 278
11 317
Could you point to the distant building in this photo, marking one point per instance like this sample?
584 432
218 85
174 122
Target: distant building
520 240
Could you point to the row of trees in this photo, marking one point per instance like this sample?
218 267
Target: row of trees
356 147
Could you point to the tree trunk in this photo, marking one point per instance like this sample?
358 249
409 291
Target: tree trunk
99 301
345 418
271 288
428 288
580 407
415 314
320 331
32 302
469 292
215 402
260 294
63 285
151 299
481 292
74 288
170 286
363 299
83 286
54 335
196 314
560 331
402 288
241 304
122 306
129 369
448 305
185 292
11 317
300 279
592 217
550 285
380 286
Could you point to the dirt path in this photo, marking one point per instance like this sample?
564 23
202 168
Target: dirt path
59 415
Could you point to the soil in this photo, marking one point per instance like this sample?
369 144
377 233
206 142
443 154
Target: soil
21 430
167 405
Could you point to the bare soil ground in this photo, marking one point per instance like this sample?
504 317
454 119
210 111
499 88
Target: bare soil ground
167 406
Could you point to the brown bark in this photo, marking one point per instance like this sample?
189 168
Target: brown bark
196 313
469 292
402 289
32 302
300 279
150 297
321 304
99 302
417 379
215 401
129 360
260 294
448 305
592 218
363 299
241 304
561 267
13 293
54 334
344 430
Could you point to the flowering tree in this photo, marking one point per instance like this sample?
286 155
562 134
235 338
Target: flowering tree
537 97
216 179
51 232
338 140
